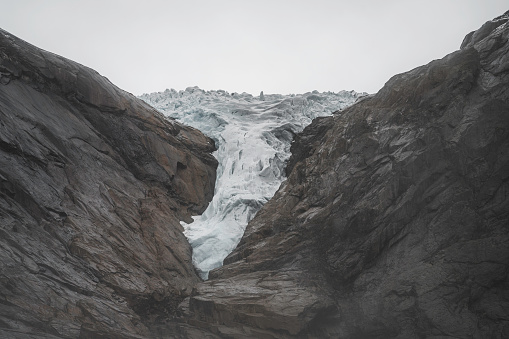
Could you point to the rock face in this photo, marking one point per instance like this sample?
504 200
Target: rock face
394 220
93 183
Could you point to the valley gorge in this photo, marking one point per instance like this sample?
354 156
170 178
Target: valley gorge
393 221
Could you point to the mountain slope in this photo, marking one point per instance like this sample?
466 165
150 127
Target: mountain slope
393 222
93 183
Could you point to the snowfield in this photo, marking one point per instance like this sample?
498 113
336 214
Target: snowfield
253 137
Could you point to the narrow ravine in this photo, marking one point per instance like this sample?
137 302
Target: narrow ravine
253 137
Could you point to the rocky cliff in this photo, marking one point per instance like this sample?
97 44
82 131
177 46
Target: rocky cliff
394 220
93 183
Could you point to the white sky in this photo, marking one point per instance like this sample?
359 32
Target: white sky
277 46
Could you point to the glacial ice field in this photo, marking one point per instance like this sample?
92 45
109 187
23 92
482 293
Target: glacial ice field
253 136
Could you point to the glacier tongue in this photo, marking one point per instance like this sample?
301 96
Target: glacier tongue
253 136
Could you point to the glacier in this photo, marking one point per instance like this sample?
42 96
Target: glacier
253 135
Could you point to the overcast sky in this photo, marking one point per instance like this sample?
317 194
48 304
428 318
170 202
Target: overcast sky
277 46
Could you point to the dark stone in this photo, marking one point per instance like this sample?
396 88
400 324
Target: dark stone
394 219
93 183
393 223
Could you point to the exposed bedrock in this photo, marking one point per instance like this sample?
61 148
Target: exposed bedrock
93 183
394 220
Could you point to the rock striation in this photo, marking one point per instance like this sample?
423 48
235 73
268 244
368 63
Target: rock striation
394 219
93 184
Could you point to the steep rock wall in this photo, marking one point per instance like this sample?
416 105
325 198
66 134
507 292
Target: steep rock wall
394 220
93 183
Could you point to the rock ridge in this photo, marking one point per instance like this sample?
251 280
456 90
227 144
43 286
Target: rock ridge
93 184
393 220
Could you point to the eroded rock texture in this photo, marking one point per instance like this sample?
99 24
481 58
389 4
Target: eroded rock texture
394 220
93 183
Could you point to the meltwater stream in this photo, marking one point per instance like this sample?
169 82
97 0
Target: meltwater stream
253 137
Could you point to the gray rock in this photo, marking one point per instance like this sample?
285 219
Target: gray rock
393 222
93 183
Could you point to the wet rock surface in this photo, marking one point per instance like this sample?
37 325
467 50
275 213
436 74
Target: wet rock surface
394 220
93 183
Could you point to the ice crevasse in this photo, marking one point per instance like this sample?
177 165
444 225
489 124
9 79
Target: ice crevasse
253 135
